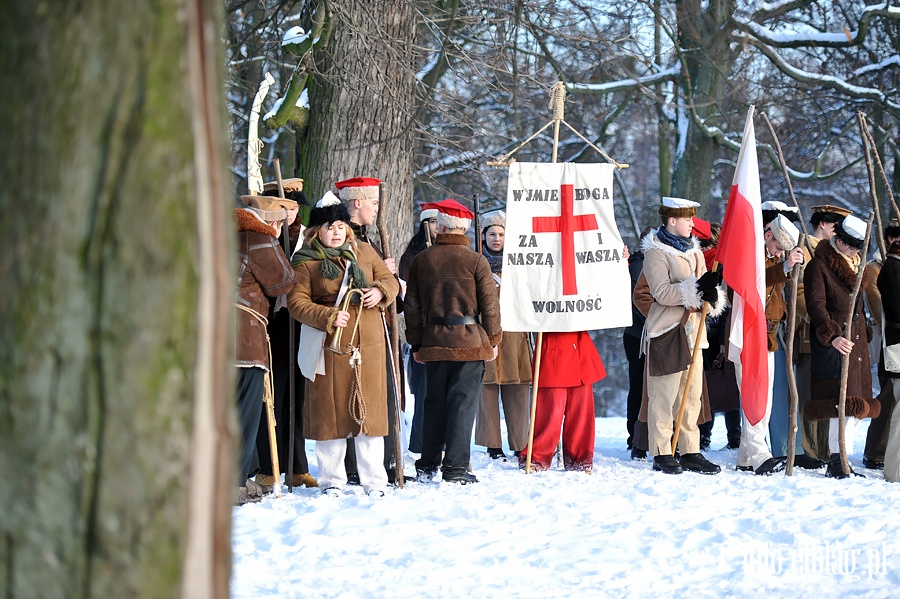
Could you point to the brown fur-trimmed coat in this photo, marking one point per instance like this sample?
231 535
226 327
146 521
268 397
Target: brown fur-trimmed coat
828 283
450 280
326 411
264 273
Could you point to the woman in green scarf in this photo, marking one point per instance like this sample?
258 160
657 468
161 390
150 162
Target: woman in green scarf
346 401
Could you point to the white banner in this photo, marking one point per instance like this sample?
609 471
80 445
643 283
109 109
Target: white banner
563 268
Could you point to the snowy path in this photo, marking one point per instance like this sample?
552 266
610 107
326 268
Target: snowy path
622 532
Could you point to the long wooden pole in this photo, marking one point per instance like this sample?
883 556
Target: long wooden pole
694 352
845 358
558 96
292 347
793 394
873 188
393 345
887 182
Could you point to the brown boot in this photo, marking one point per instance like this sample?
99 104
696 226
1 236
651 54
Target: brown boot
304 480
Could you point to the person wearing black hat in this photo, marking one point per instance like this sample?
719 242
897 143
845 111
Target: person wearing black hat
453 324
346 394
828 284
889 365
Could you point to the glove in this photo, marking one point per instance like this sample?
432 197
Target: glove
706 287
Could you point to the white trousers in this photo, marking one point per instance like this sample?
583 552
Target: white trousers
849 434
754 448
369 463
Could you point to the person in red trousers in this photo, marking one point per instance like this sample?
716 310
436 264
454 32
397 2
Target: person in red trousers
570 365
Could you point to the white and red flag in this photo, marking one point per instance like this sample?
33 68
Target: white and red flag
741 253
563 268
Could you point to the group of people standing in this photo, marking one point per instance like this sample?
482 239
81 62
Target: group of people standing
336 285
673 276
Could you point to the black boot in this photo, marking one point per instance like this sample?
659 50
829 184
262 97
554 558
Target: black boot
696 462
771 466
459 478
638 454
808 463
836 470
873 463
496 453
667 465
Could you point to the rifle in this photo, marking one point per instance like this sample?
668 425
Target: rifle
292 346
392 335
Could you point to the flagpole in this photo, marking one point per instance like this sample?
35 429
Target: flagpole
879 229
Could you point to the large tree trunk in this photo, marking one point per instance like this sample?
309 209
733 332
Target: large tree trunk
362 107
115 368
703 40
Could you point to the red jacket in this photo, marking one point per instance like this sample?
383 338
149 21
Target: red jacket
569 360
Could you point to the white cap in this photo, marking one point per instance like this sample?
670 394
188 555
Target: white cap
328 199
779 206
426 214
855 227
785 232
679 203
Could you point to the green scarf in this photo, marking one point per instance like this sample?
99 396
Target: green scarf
329 264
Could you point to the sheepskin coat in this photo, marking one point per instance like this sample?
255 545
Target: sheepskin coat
326 411
445 281
672 279
513 363
775 305
264 273
828 283
889 288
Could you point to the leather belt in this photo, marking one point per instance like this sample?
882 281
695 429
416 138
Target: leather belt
329 300
451 320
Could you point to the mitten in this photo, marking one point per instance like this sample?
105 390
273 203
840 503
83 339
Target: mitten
706 287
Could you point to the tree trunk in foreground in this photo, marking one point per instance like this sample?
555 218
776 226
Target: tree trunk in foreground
115 371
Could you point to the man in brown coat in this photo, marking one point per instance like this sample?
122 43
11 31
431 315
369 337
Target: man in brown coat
453 325
264 274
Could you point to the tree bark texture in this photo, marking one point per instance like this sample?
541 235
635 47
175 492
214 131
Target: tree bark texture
362 107
704 43
115 352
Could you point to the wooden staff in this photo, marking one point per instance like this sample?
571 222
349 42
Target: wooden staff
887 182
845 358
873 188
694 352
393 345
793 394
292 347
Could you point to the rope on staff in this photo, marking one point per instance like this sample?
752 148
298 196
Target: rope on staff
357 405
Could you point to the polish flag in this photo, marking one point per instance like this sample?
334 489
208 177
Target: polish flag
741 253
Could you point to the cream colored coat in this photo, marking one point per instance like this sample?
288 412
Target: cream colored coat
672 277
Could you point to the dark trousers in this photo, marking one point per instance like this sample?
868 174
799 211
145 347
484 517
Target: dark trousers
282 424
732 427
450 404
877 437
635 383
250 388
418 385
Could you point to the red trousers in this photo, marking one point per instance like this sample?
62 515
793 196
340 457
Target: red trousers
576 405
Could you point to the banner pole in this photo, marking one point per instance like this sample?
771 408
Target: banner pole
557 103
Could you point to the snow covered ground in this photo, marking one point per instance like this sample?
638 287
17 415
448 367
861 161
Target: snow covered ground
623 531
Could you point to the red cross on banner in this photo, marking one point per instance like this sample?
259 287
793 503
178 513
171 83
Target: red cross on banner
566 224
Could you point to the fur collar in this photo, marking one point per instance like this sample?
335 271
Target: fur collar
452 239
246 221
651 242
837 264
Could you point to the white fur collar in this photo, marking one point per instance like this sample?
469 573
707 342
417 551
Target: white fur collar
651 242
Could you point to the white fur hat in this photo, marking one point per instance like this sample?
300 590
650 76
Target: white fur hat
785 232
